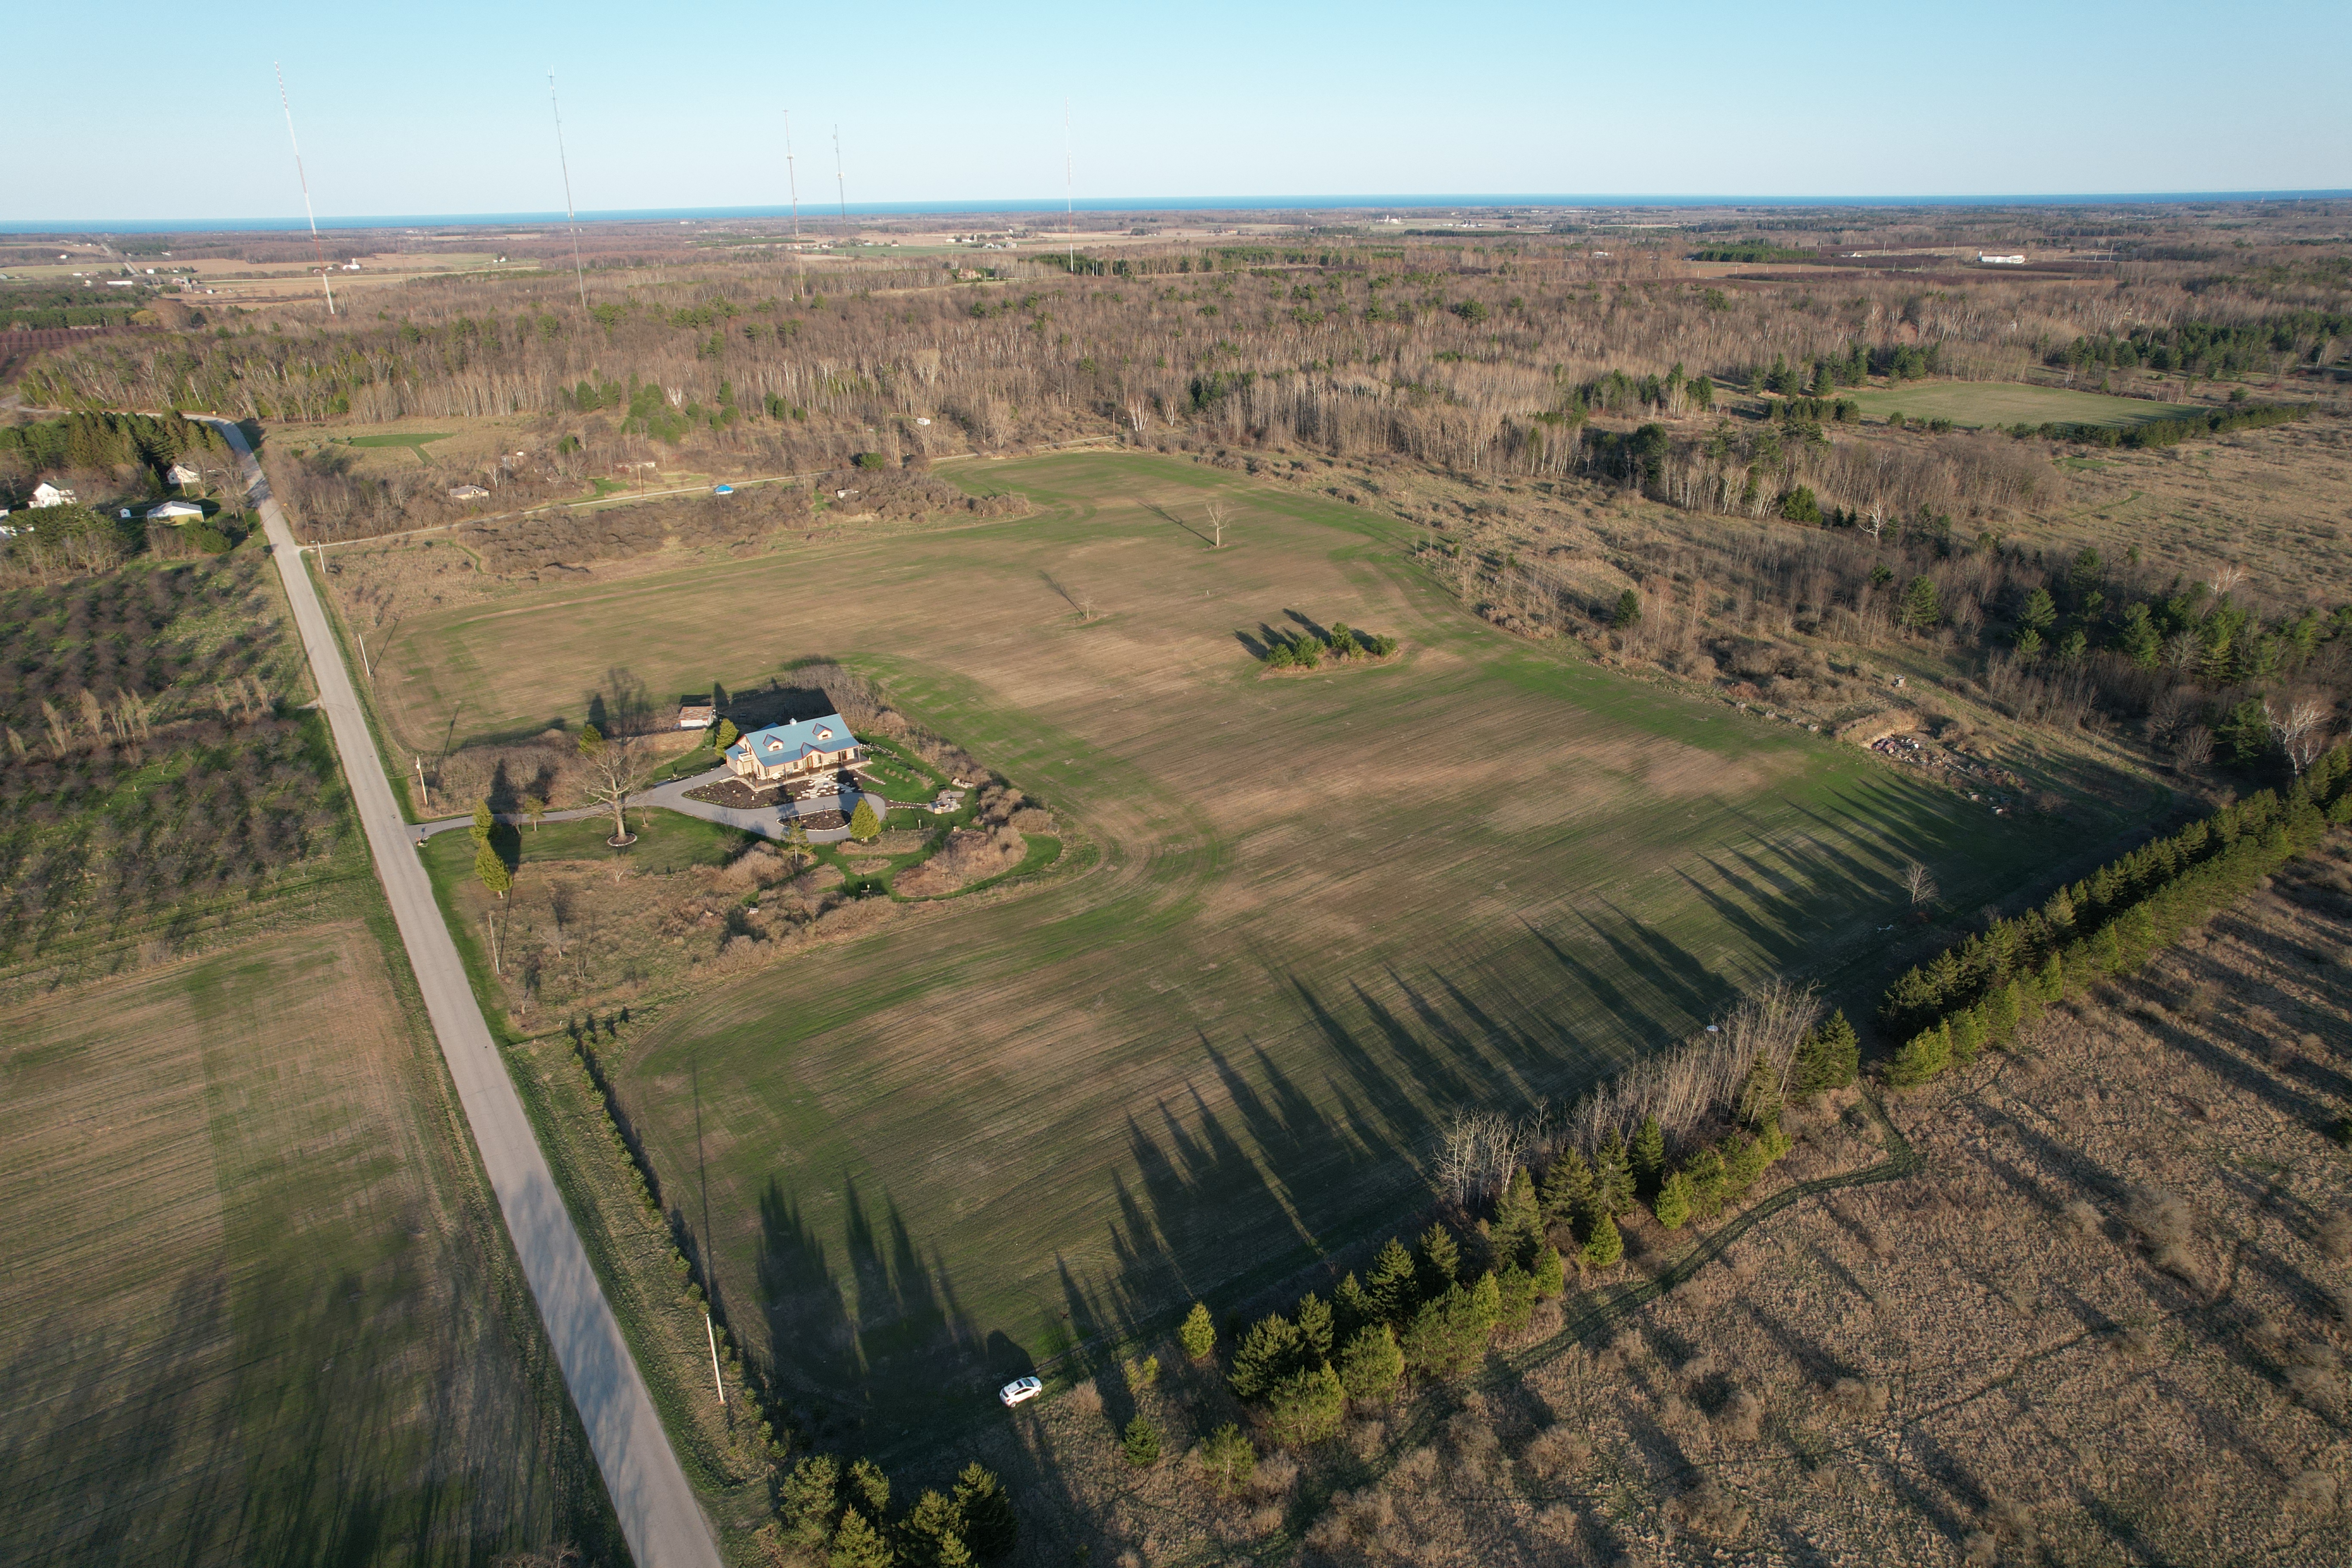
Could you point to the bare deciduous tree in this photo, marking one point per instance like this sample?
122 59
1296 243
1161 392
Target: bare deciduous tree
1919 883
612 775
2301 731
1476 1156
1217 525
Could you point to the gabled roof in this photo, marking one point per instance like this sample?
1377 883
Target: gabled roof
781 744
173 509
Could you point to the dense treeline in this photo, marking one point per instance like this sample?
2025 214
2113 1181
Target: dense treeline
2205 349
2168 432
1469 356
98 439
1981 990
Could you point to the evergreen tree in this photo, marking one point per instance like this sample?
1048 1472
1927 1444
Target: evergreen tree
1439 1260
1141 1441
864 825
1227 1459
725 736
1351 1308
1392 1287
1760 1094
1673 1205
1648 1155
2038 612
1612 1178
857 1544
1514 1297
480 832
492 870
811 1502
1922 610
1704 1169
988 1527
1269 1352
1922 1056
1605 1247
1566 1187
934 1523
1829 1056
1305 1407
1629 609
1315 1327
1744 1159
1518 1220
869 1489
1550 1275
1198 1334
1371 1366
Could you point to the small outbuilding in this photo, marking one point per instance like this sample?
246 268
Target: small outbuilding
176 511
697 715
183 474
468 492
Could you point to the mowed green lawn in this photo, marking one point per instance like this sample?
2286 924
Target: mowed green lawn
2009 402
256 1308
1310 918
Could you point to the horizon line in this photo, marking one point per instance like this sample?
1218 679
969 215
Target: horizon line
1426 205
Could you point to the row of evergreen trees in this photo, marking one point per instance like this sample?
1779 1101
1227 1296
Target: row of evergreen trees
1982 991
1823 376
841 1517
2208 348
2168 432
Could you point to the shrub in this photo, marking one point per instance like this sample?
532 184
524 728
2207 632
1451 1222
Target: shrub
1142 1442
872 460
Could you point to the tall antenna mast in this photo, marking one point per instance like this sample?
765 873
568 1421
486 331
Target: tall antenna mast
1069 191
317 254
838 176
793 174
569 217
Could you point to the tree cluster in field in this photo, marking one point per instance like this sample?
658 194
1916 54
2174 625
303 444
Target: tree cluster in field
840 1516
1305 648
1982 991
148 762
1853 366
1672 394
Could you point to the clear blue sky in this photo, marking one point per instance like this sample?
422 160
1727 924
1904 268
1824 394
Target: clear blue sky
438 108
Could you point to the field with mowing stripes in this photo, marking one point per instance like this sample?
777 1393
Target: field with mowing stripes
256 1308
2004 403
1304 919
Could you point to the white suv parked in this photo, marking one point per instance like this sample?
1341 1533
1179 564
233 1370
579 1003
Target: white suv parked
1020 1391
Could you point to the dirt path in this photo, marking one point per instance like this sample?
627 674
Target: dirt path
658 1509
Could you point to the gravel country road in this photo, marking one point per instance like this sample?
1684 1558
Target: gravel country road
663 1524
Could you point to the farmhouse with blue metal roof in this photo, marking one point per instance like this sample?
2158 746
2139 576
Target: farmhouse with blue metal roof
794 749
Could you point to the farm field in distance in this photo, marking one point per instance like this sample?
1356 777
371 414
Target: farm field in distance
1313 914
258 1310
2014 403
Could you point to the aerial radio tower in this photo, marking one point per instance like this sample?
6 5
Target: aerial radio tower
317 254
791 173
569 217
837 177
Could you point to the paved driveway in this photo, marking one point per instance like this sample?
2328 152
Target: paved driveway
767 821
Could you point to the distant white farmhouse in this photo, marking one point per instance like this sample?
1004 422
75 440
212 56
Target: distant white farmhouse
1999 260
47 494
183 474
467 492
176 511
789 750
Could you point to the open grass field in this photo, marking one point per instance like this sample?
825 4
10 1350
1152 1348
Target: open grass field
256 1308
2010 403
1314 914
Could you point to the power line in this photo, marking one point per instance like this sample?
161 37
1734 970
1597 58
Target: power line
570 216
317 254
